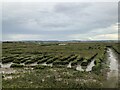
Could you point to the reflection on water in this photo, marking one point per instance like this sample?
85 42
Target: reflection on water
79 68
32 64
7 70
47 64
44 64
7 65
50 64
22 64
112 77
113 64
89 67
69 65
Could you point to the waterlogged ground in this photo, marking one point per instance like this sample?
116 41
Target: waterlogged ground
61 77
70 75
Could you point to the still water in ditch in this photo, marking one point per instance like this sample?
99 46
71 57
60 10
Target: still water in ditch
112 77
113 64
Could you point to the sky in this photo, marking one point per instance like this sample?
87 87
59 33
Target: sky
59 21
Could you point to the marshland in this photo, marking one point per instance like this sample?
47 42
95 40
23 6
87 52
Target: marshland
60 65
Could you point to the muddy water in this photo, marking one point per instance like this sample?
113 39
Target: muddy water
112 76
89 67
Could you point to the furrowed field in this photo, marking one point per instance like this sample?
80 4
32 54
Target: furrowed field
54 65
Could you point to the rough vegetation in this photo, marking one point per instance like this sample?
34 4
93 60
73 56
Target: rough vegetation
24 54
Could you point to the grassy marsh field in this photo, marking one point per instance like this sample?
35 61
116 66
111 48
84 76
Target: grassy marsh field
56 65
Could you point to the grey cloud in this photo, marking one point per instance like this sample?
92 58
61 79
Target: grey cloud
94 14
58 20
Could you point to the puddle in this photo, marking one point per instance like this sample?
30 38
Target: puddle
32 64
69 65
44 64
50 65
7 70
47 64
89 67
7 65
79 68
22 64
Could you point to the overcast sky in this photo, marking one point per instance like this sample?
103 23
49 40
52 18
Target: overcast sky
60 21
